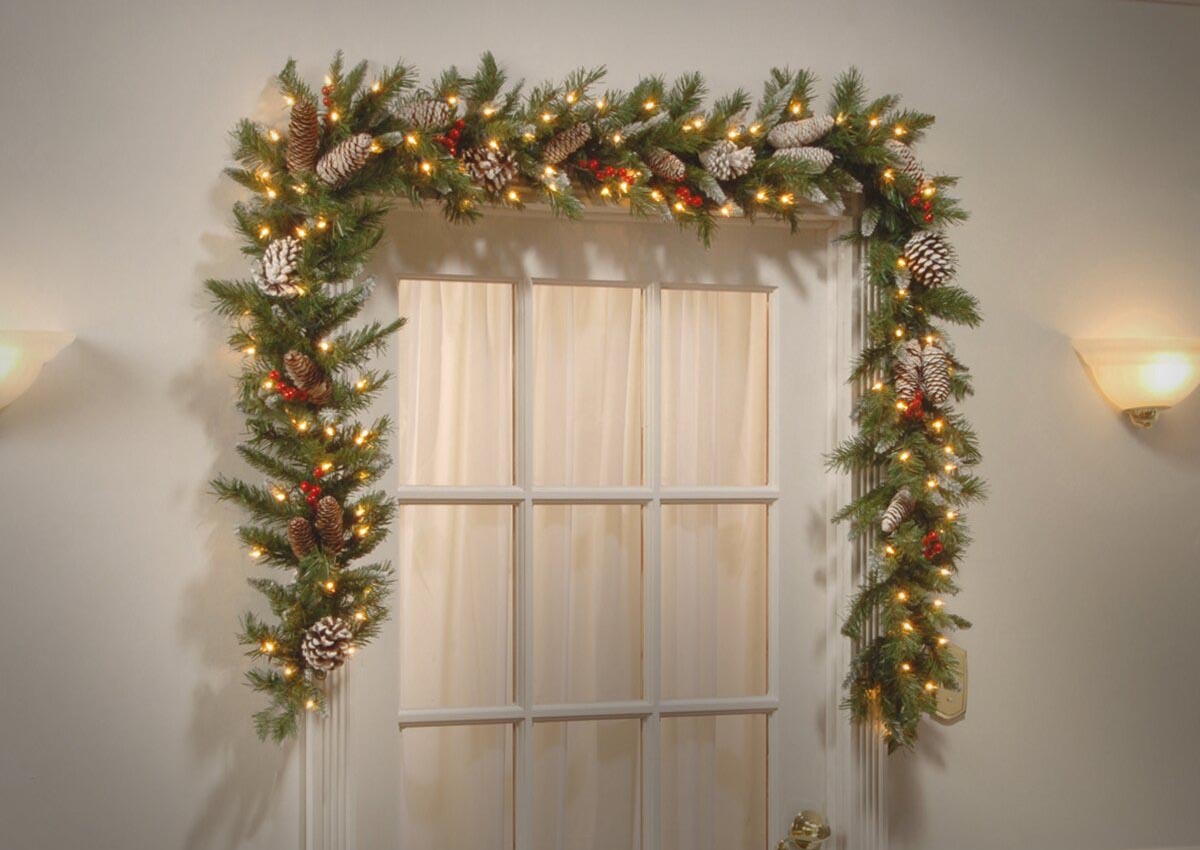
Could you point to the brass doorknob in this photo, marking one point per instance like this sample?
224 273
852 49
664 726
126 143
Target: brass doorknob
808 832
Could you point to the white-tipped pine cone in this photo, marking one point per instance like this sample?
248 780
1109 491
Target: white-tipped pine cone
345 159
900 508
935 373
870 220
492 168
819 158
929 258
276 273
726 161
665 165
908 370
925 368
798 134
326 643
906 161
563 144
425 113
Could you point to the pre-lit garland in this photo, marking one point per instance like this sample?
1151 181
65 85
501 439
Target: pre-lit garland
321 189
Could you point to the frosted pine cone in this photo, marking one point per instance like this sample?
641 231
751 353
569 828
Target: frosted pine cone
726 161
819 158
908 370
566 143
929 258
900 508
905 161
935 373
277 270
492 168
665 165
326 644
330 525
304 136
870 220
302 370
426 113
798 134
344 160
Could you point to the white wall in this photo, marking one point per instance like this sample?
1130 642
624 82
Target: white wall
1074 127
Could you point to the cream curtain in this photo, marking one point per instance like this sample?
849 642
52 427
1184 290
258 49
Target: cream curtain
456 564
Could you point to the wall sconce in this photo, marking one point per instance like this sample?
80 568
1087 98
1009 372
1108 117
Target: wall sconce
22 355
1143 376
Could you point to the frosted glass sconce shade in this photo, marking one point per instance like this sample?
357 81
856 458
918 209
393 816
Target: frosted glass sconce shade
22 355
1143 376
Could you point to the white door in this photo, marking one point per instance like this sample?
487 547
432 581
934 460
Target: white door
611 620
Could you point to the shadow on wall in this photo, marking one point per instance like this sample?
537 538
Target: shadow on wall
249 773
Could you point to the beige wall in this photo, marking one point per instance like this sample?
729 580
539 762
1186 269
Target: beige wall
1074 125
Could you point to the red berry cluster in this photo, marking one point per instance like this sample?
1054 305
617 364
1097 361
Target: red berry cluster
916 408
451 139
289 392
325 99
687 196
933 546
924 204
607 172
310 489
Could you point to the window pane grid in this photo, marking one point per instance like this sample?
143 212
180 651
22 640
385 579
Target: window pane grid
523 715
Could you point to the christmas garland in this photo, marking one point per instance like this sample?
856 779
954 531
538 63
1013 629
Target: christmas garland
321 188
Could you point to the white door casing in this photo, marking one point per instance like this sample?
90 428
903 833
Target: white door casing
853 764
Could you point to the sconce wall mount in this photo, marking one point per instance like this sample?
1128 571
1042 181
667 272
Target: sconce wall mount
22 355
1143 377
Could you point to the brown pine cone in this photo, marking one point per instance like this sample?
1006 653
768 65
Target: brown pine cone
330 525
665 165
300 535
304 137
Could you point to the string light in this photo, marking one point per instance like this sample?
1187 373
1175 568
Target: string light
874 121
951 516
301 232
273 135
755 129
905 455
616 138
249 350
271 193
733 133
906 626
649 105
360 511
928 190
322 224
931 484
901 406
890 550
330 431
605 192
264 232
902 596
841 119
427 166
906 667
679 207
289 100
289 671
323 345
376 147
889 175
256 553
930 686
361 384
547 117
901 263
938 425
942 641
600 104
796 107
945 571
572 96
899 131
877 386
279 495
362 530
452 99
786 199
268 647
330 586
656 195
760 195
360 615
938 603
310 705
334 117
376 87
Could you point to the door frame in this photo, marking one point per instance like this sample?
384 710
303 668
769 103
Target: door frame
855 763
